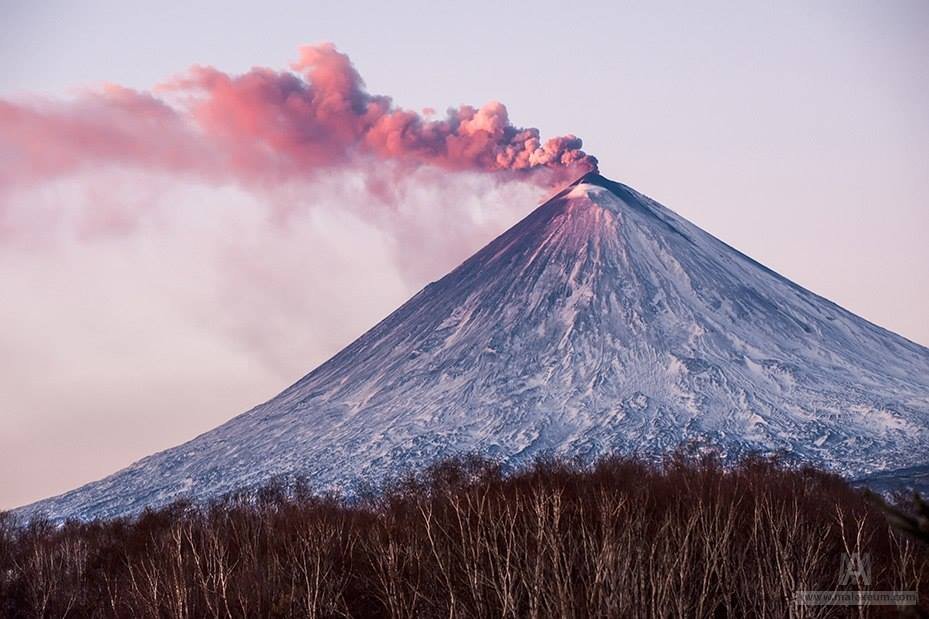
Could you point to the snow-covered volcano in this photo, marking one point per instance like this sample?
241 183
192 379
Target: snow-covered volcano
602 322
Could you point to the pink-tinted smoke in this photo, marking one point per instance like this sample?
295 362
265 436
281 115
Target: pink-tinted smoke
265 125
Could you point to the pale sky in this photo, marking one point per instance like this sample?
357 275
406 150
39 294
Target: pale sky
795 131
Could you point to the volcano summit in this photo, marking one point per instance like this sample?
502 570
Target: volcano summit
600 323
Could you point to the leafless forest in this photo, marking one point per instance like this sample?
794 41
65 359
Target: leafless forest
687 538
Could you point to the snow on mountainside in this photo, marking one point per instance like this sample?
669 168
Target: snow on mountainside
601 322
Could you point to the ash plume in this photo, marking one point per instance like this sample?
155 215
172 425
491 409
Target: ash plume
266 125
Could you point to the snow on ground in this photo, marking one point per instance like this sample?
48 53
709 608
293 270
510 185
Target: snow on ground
602 322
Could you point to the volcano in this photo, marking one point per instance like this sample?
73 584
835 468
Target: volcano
601 323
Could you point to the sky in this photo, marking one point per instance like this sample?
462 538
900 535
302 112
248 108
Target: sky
147 299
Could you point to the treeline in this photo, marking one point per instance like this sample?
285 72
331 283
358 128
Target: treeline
622 538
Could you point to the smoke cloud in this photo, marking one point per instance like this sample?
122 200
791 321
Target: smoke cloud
265 125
